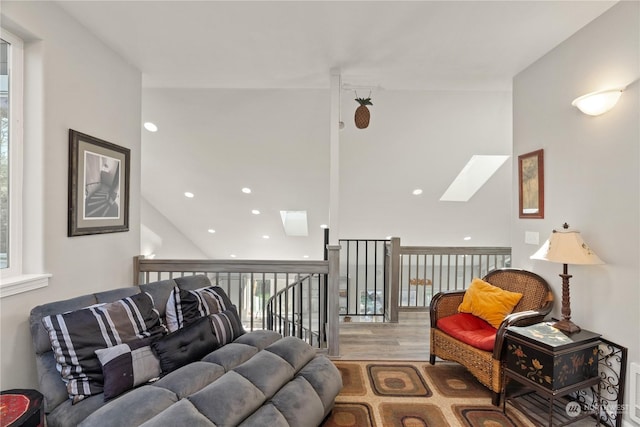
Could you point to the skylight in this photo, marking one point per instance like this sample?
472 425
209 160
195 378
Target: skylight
294 223
472 177
151 127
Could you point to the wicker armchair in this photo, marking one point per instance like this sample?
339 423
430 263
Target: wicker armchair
536 303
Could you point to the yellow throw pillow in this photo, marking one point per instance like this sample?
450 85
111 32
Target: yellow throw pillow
488 302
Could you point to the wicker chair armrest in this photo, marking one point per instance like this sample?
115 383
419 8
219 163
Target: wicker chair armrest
527 317
444 304
522 318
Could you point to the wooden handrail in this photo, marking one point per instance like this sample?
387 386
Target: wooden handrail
143 265
454 250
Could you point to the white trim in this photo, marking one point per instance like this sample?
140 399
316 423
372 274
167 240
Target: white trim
19 284
16 61
634 399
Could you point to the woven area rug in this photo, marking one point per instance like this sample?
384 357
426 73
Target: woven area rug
415 394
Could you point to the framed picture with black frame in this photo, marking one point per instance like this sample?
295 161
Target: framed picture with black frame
98 186
531 184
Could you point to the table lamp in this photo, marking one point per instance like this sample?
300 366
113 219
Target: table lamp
566 247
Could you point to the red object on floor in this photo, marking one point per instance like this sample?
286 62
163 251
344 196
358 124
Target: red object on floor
21 408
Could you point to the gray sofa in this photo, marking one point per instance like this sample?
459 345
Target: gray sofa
259 379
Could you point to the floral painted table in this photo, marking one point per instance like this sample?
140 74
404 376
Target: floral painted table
547 364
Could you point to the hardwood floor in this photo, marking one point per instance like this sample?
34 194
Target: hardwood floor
406 340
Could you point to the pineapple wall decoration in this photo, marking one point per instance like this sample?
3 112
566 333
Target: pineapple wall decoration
363 115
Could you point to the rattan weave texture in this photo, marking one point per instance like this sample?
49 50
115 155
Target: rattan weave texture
536 302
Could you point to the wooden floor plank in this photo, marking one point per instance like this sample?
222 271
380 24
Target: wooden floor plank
406 340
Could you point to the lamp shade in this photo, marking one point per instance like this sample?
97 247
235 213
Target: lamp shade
597 103
566 247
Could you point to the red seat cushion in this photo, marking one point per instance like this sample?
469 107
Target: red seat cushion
470 330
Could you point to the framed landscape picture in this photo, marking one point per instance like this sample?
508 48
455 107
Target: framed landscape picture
531 184
98 186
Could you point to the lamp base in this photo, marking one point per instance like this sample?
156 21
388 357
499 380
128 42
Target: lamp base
565 326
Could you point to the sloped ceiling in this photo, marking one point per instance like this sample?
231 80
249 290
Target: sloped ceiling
239 91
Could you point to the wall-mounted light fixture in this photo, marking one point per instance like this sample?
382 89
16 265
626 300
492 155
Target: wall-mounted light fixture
597 103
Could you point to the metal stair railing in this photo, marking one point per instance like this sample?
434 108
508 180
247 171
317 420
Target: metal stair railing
300 310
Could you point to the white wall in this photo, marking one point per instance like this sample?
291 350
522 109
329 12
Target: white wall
423 139
73 81
591 169
160 237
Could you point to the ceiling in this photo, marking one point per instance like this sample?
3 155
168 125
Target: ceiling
211 65
431 45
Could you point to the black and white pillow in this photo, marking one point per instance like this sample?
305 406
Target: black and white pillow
227 325
76 335
126 366
184 306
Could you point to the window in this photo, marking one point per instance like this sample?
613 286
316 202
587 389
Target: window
11 57
4 154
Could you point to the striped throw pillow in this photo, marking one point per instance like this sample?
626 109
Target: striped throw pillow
227 325
76 335
185 307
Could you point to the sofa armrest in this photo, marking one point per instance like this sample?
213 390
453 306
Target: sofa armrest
444 304
522 318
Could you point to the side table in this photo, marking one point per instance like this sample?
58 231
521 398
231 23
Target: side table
548 364
21 407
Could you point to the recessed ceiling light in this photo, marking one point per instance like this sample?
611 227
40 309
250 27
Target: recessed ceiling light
211 230
189 195
324 226
246 190
467 238
151 127
265 237
232 255
255 211
388 237
417 192
305 256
